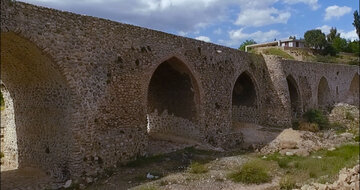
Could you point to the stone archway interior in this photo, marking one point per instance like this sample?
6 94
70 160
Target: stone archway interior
244 93
324 95
244 100
41 100
353 97
172 100
295 101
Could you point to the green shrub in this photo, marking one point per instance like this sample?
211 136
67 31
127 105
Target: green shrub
287 182
317 116
357 138
349 116
252 172
197 168
1 155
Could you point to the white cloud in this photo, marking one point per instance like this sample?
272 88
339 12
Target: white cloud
262 17
325 29
336 11
236 36
312 3
351 35
203 38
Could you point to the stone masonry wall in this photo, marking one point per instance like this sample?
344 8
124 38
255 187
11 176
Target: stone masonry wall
93 110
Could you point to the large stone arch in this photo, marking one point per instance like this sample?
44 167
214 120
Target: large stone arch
295 96
353 93
245 99
323 94
173 100
41 102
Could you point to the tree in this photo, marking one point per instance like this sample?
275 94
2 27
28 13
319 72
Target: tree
315 39
332 35
245 43
356 22
339 44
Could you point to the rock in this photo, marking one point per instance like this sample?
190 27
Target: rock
347 135
331 149
67 183
82 186
149 176
89 180
286 144
305 126
289 153
302 152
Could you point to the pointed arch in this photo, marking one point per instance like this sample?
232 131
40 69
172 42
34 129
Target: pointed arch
324 95
244 91
353 94
173 98
173 88
295 97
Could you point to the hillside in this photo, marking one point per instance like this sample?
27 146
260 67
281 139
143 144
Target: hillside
301 54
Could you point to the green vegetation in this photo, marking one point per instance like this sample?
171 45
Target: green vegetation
1 155
315 39
316 116
245 43
147 187
2 102
356 22
349 116
287 182
252 172
198 168
323 165
278 52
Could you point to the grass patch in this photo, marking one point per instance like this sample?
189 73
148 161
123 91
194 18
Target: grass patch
252 172
2 102
197 168
287 182
349 116
316 116
147 187
278 52
324 164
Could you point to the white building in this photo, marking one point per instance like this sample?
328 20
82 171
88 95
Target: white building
280 43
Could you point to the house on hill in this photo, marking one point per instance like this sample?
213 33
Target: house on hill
280 43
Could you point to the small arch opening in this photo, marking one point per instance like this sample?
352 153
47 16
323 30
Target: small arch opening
353 95
244 92
294 93
324 95
173 99
244 100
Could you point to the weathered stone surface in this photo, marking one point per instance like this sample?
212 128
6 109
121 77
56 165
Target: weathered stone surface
81 89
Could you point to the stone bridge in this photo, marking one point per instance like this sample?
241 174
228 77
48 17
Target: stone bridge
83 93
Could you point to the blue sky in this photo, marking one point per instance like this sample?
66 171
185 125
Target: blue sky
224 22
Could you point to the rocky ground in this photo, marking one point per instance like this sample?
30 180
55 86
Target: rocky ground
348 179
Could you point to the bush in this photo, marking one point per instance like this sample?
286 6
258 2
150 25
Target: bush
349 116
287 182
197 168
1 155
252 172
316 116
